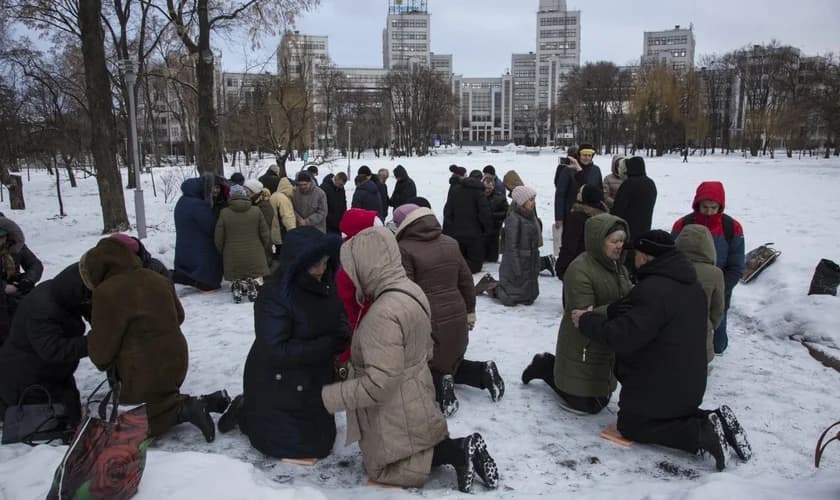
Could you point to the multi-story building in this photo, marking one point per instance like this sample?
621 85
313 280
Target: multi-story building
523 103
442 65
302 56
406 38
239 89
558 48
482 114
673 48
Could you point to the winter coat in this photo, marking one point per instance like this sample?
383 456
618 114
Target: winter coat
520 267
511 181
135 326
573 242
300 326
243 238
695 242
196 255
611 184
660 342
336 203
281 204
270 179
635 200
584 367
354 221
14 255
262 201
46 341
567 183
730 254
311 206
367 197
498 211
390 399
466 214
404 190
433 261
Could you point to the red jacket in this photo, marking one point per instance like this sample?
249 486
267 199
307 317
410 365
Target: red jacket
353 221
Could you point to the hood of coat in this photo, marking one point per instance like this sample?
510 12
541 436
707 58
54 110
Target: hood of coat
193 188
14 239
616 160
589 210
239 203
472 183
369 186
303 247
399 172
712 191
355 220
107 259
69 291
421 224
696 242
512 180
596 230
284 186
373 262
672 265
635 166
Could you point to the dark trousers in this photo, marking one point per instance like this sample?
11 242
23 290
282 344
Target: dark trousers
448 452
183 279
473 252
468 373
682 433
491 247
543 369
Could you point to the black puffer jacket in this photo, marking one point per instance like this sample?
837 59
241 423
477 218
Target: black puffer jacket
300 326
336 203
46 341
367 197
404 190
498 211
635 199
466 214
660 341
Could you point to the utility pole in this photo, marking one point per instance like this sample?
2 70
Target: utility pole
127 67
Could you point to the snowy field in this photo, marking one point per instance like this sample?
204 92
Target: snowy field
783 397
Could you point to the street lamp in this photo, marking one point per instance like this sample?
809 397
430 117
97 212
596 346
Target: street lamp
349 151
130 75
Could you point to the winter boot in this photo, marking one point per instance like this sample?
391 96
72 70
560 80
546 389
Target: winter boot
492 381
712 440
486 283
216 402
533 370
194 411
252 289
826 278
464 470
734 433
448 402
236 289
547 263
484 464
230 418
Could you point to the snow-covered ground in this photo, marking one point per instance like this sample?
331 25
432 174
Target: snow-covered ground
783 397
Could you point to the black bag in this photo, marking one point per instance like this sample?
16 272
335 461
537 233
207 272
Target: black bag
826 278
34 423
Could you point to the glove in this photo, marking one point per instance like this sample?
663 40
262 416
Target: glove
471 320
618 308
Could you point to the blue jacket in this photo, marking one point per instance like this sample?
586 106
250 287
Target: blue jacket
367 196
195 226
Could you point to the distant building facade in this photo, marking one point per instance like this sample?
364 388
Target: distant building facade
673 48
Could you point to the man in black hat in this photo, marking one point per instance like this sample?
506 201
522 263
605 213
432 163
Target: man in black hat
658 333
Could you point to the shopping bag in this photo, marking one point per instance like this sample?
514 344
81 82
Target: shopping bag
34 423
106 457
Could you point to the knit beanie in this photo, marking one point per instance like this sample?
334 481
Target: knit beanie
402 212
237 190
476 174
591 195
521 194
459 171
363 170
253 185
490 169
128 241
237 178
656 243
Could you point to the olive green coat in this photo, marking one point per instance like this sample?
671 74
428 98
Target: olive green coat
582 366
243 239
696 242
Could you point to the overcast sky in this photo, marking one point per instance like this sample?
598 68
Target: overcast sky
482 34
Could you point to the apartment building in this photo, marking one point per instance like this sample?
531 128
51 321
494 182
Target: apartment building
673 48
406 39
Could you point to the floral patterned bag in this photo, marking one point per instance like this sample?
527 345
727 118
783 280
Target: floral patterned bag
106 457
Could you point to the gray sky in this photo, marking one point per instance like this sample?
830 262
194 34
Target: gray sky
482 34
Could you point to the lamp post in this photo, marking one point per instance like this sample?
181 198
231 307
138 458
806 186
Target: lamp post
127 67
349 151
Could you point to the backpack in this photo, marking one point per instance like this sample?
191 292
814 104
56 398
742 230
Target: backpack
727 221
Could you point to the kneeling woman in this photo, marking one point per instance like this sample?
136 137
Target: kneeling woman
300 326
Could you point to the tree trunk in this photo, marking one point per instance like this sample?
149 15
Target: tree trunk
15 187
58 192
98 93
280 159
209 151
68 160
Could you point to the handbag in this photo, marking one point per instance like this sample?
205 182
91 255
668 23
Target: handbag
34 423
106 456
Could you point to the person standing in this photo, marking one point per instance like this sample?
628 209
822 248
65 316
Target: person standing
498 185
498 211
613 181
367 195
467 218
333 188
310 203
709 203
634 202
284 219
197 261
568 181
658 333
573 240
404 190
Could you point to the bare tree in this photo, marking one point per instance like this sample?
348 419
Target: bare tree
420 101
655 109
331 81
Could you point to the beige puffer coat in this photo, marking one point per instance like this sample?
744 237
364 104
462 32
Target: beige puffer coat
284 219
389 399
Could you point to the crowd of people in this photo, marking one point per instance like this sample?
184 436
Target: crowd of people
359 313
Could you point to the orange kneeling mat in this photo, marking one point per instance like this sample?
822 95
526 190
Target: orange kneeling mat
611 433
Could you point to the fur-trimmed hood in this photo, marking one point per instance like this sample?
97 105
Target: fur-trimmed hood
15 236
108 258
303 247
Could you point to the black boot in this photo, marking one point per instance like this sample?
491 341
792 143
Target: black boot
448 402
216 402
547 263
464 469
230 418
712 440
236 288
736 438
485 284
484 464
194 411
534 369
492 381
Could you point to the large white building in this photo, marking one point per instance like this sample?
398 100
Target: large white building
673 48
302 55
406 38
558 49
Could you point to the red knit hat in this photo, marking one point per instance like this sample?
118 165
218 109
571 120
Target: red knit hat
128 241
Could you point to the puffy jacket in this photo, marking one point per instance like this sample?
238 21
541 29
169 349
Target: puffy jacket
243 238
196 255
